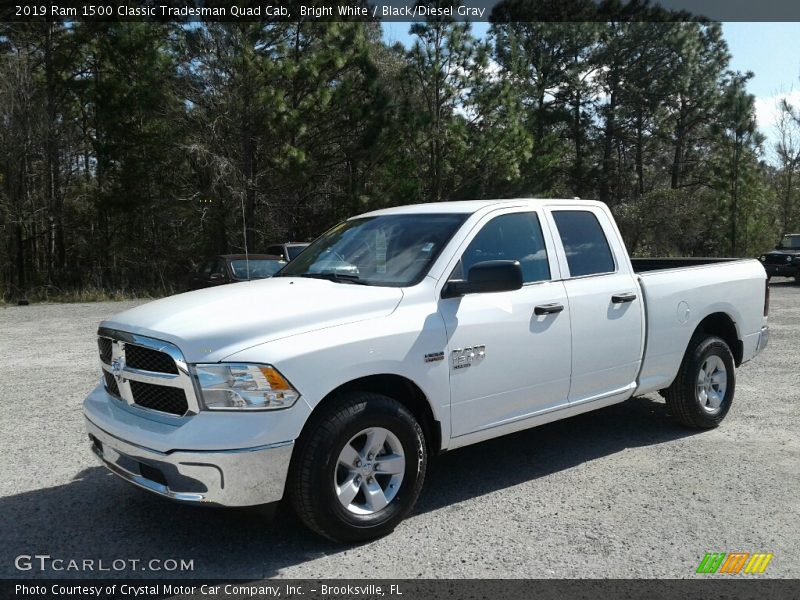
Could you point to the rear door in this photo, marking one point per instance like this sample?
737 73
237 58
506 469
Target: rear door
606 311
509 360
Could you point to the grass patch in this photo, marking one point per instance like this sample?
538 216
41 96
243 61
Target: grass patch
52 294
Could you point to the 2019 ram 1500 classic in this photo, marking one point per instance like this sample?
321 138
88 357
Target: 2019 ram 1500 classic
402 333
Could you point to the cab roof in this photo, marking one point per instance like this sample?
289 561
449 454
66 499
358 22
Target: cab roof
249 257
473 206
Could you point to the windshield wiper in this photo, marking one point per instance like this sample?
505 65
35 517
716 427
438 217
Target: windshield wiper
336 277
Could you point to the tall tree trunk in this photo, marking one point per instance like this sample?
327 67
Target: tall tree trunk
639 153
734 194
677 159
20 256
577 140
787 202
540 117
220 231
55 248
248 155
608 149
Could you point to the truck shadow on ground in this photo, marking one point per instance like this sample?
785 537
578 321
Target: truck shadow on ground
96 516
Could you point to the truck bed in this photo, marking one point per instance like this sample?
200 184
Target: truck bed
679 293
641 265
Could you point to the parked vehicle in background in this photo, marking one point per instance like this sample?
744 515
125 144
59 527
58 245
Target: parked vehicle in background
287 250
784 261
232 268
403 333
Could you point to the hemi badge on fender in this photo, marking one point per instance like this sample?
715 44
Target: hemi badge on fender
434 357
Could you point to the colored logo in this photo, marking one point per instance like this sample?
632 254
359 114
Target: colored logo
734 563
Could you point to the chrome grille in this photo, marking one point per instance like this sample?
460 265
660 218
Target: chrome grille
111 384
158 397
147 359
146 373
104 344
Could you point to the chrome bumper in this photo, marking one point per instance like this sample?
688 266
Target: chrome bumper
244 477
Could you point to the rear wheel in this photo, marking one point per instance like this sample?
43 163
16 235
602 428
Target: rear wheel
702 393
359 467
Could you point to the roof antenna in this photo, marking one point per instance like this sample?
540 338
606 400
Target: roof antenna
244 234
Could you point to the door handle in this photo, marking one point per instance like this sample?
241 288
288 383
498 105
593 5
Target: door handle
622 298
548 309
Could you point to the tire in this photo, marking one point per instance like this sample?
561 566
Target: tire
332 460
694 398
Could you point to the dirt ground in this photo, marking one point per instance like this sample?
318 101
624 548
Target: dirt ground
621 492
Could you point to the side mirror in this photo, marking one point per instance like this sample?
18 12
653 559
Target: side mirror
217 277
488 276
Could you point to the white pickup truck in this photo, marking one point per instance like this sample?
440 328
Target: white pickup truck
403 333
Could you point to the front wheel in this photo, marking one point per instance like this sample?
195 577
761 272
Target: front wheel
359 467
702 393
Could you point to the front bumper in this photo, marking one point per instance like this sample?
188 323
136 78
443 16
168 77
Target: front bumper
241 477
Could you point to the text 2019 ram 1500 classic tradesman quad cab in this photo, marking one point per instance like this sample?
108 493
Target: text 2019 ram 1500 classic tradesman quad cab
402 333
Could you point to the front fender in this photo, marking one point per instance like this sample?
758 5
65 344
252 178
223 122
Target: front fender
318 362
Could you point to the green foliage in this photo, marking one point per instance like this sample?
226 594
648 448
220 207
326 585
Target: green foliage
671 222
130 151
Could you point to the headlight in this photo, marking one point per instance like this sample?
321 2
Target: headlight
788 259
243 386
762 258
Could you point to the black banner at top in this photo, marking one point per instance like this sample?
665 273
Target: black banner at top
398 10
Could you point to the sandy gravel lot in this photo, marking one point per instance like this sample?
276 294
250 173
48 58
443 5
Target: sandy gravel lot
622 492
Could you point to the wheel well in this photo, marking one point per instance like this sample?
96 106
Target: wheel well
721 325
404 391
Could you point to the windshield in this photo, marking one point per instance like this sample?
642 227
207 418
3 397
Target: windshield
790 241
390 250
259 269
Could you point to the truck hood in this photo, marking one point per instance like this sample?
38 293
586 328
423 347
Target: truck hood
211 324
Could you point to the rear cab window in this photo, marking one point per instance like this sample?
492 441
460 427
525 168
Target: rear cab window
585 244
218 268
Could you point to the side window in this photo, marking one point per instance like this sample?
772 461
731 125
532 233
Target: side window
584 242
218 268
516 236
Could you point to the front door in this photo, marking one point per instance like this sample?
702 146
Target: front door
509 352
